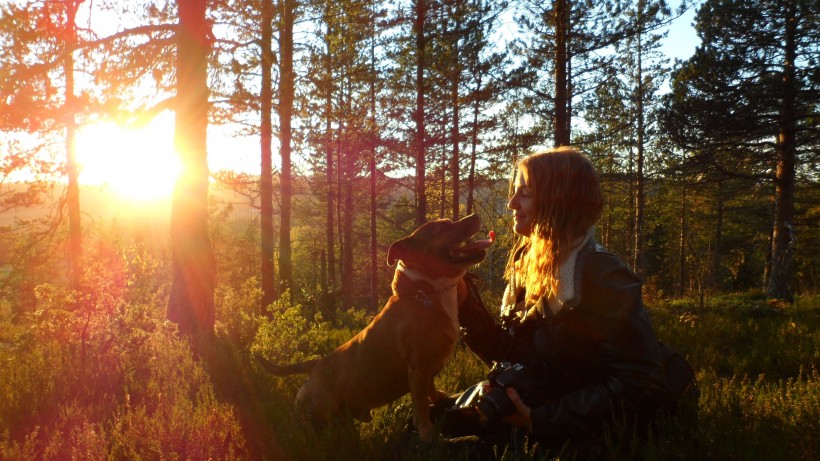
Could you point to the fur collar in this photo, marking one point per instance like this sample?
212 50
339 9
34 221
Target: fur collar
567 286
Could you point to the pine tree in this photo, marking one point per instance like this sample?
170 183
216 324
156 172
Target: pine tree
746 97
40 94
191 304
267 273
286 98
563 58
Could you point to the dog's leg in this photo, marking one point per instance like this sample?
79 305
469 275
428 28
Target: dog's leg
420 383
434 394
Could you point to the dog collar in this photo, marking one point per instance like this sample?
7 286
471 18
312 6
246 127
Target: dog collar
425 297
406 287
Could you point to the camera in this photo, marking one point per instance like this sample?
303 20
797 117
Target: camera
495 404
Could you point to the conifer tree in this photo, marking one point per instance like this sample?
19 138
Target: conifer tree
37 80
747 96
266 161
191 304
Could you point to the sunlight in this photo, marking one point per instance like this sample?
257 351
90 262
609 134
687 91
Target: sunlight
136 164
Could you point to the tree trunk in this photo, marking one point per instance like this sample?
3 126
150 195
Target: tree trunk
561 117
346 175
638 250
420 139
191 304
630 225
323 271
682 242
783 237
75 243
374 248
717 253
329 180
347 255
266 176
455 134
286 94
473 152
445 167
610 164
339 193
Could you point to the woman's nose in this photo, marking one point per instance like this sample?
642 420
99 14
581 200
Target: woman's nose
512 203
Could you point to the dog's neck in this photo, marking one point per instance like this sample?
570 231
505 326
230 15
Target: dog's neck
438 286
444 289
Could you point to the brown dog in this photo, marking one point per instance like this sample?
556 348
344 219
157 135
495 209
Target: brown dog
409 341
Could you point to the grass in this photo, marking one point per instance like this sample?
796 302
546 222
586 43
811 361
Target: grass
101 375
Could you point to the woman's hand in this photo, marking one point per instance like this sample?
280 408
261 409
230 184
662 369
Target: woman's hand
522 416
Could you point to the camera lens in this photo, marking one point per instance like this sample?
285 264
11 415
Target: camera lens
494 405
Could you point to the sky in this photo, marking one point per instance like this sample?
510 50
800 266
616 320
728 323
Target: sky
682 39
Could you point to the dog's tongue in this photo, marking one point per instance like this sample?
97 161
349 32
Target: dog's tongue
478 244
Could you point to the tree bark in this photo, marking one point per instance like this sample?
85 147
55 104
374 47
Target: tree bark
782 264
456 135
75 239
420 138
286 95
715 280
638 251
374 248
330 231
561 117
347 228
266 175
191 304
684 231
346 178
473 152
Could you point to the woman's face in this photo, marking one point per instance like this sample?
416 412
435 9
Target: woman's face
522 204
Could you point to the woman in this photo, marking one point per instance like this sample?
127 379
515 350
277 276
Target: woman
571 316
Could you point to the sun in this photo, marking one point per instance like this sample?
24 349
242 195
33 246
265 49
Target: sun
137 164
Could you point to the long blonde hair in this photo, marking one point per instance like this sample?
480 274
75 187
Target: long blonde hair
568 201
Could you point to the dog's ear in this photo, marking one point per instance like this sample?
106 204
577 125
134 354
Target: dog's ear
395 252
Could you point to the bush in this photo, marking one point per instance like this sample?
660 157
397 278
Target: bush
90 376
238 312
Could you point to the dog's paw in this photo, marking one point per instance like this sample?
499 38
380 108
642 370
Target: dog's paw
437 396
426 433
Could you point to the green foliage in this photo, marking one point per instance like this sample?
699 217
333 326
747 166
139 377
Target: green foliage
90 376
237 311
98 374
285 334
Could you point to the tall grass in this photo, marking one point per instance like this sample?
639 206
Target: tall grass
98 374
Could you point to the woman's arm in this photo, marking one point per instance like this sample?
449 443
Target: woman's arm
480 329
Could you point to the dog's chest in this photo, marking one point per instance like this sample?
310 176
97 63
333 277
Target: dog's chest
450 305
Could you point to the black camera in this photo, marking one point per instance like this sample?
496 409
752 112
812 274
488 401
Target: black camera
495 404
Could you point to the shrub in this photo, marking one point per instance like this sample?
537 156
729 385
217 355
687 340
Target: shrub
238 312
93 377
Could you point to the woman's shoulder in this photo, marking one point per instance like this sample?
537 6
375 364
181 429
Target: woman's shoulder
596 262
605 278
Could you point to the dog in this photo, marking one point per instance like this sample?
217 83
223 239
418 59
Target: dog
409 341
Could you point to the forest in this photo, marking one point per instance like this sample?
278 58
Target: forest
309 135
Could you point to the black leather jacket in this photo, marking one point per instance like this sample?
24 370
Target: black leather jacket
596 358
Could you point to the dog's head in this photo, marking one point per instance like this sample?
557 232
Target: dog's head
441 248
